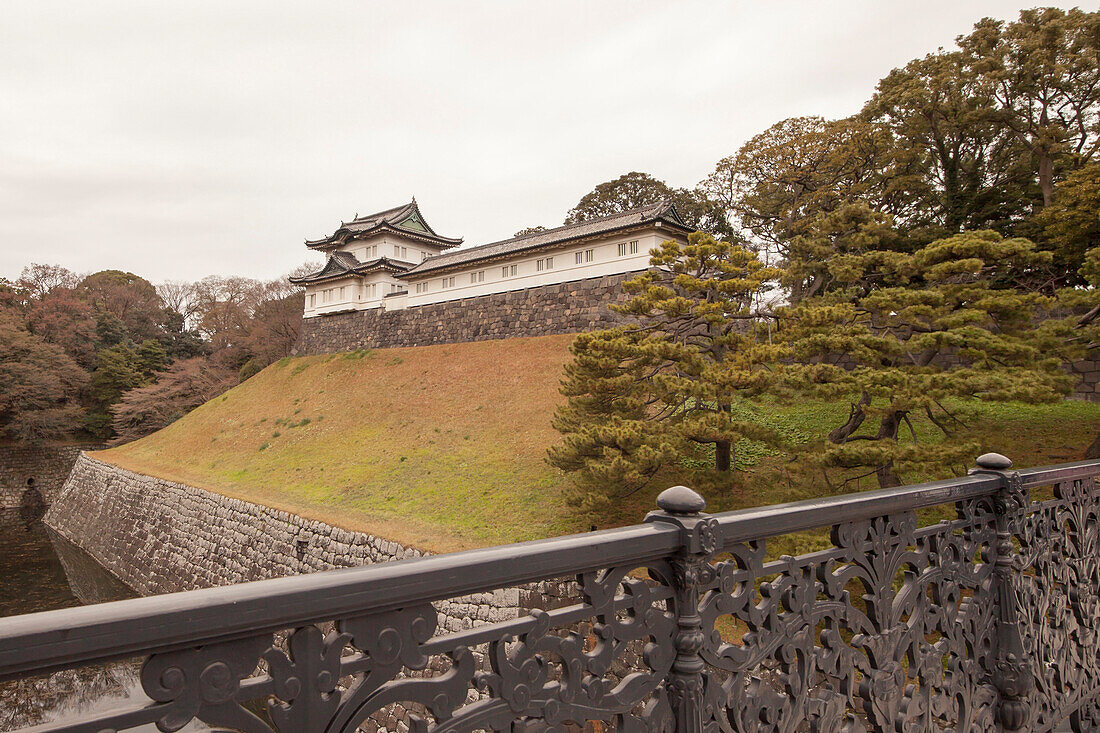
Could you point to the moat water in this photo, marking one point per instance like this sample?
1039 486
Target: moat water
41 571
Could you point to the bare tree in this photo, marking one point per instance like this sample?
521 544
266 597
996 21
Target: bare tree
179 296
38 279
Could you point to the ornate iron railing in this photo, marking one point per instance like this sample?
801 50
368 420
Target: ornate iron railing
986 620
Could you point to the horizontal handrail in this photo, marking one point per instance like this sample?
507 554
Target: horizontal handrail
1043 475
798 516
780 519
63 638
51 640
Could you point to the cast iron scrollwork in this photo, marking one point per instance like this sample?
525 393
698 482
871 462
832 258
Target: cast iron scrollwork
1057 580
553 678
306 679
204 683
986 621
888 631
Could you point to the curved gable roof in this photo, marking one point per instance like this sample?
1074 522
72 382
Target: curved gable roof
405 220
340 264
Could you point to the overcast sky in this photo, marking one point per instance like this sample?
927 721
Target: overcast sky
177 140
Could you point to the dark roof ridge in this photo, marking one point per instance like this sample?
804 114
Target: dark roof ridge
383 260
386 219
659 204
649 212
379 214
342 263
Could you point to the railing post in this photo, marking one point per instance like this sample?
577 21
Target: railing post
1011 673
691 568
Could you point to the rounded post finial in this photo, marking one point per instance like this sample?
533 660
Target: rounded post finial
681 500
994 462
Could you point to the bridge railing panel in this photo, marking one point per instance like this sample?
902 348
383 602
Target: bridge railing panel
964 604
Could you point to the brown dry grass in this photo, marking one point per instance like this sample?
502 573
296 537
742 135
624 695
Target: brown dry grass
440 447
443 447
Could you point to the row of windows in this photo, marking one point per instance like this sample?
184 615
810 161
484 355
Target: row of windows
541 265
581 257
630 247
369 291
399 252
327 296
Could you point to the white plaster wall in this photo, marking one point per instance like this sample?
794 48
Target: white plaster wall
415 249
606 261
396 302
357 296
315 294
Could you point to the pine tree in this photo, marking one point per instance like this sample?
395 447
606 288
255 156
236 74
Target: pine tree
642 396
910 330
1077 333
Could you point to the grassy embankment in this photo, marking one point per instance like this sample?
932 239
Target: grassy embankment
443 447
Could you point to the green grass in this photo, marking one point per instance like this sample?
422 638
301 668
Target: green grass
440 447
443 447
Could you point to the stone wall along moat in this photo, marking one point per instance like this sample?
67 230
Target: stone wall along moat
29 469
159 536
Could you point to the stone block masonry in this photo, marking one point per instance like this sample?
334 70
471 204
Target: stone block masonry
159 536
41 468
571 307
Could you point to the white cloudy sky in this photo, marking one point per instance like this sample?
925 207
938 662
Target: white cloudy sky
177 140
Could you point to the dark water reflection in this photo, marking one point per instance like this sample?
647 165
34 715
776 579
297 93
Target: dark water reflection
31 575
41 571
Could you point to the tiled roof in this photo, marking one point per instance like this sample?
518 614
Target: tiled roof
396 219
662 211
340 264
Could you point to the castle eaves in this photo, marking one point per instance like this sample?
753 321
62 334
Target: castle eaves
405 220
342 264
661 211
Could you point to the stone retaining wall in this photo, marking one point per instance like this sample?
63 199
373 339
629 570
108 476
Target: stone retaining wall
46 467
159 536
1087 372
581 305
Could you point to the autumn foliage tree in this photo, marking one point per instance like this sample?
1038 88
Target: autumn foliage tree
40 386
125 335
643 396
182 387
